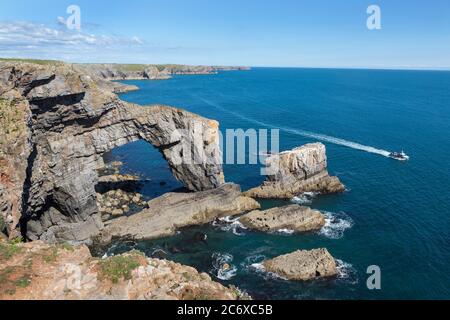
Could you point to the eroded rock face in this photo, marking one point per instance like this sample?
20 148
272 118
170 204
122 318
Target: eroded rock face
69 120
300 170
148 71
172 211
303 265
293 218
62 272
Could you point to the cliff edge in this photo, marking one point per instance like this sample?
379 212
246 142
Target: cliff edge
57 122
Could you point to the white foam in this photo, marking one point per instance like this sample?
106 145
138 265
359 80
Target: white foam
335 225
304 198
219 261
286 231
304 133
346 271
230 224
259 268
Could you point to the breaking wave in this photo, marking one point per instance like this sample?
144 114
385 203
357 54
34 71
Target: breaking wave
285 231
222 266
346 271
335 225
230 224
304 198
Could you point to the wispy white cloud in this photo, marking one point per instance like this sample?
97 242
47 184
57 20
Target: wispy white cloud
19 33
21 38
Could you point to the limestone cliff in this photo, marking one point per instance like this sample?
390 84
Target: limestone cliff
303 169
57 122
150 71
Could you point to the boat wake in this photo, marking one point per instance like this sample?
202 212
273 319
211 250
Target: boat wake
303 133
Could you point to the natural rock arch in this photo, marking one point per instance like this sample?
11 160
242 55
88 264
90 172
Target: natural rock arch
72 119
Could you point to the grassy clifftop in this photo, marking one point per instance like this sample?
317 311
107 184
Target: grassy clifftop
36 61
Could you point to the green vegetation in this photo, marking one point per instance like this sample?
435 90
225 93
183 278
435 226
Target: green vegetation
23 282
66 246
12 278
120 267
51 256
2 223
36 61
4 275
9 249
131 67
12 123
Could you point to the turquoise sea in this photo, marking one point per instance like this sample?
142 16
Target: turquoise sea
395 215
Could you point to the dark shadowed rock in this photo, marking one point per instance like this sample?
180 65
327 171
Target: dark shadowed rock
65 120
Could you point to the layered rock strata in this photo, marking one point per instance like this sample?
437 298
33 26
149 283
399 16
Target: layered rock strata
290 218
303 169
303 265
173 211
59 123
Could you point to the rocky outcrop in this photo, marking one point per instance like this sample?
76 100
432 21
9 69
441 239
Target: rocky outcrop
303 265
15 149
293 218
173 211
37 271
149 71
62 121
300 170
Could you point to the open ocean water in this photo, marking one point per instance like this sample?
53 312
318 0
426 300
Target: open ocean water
395 215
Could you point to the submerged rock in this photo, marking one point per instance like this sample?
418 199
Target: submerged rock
303 265
293 172
294 217
173 211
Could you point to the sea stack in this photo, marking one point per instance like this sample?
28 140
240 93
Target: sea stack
303 169
303 265
294 217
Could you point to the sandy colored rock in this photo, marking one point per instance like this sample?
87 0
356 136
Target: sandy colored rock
294 217
148 71
37 271
293 172
303 265
173 211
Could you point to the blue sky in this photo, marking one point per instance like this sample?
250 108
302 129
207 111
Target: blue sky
415 34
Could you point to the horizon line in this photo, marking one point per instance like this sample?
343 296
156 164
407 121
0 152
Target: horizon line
381 68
